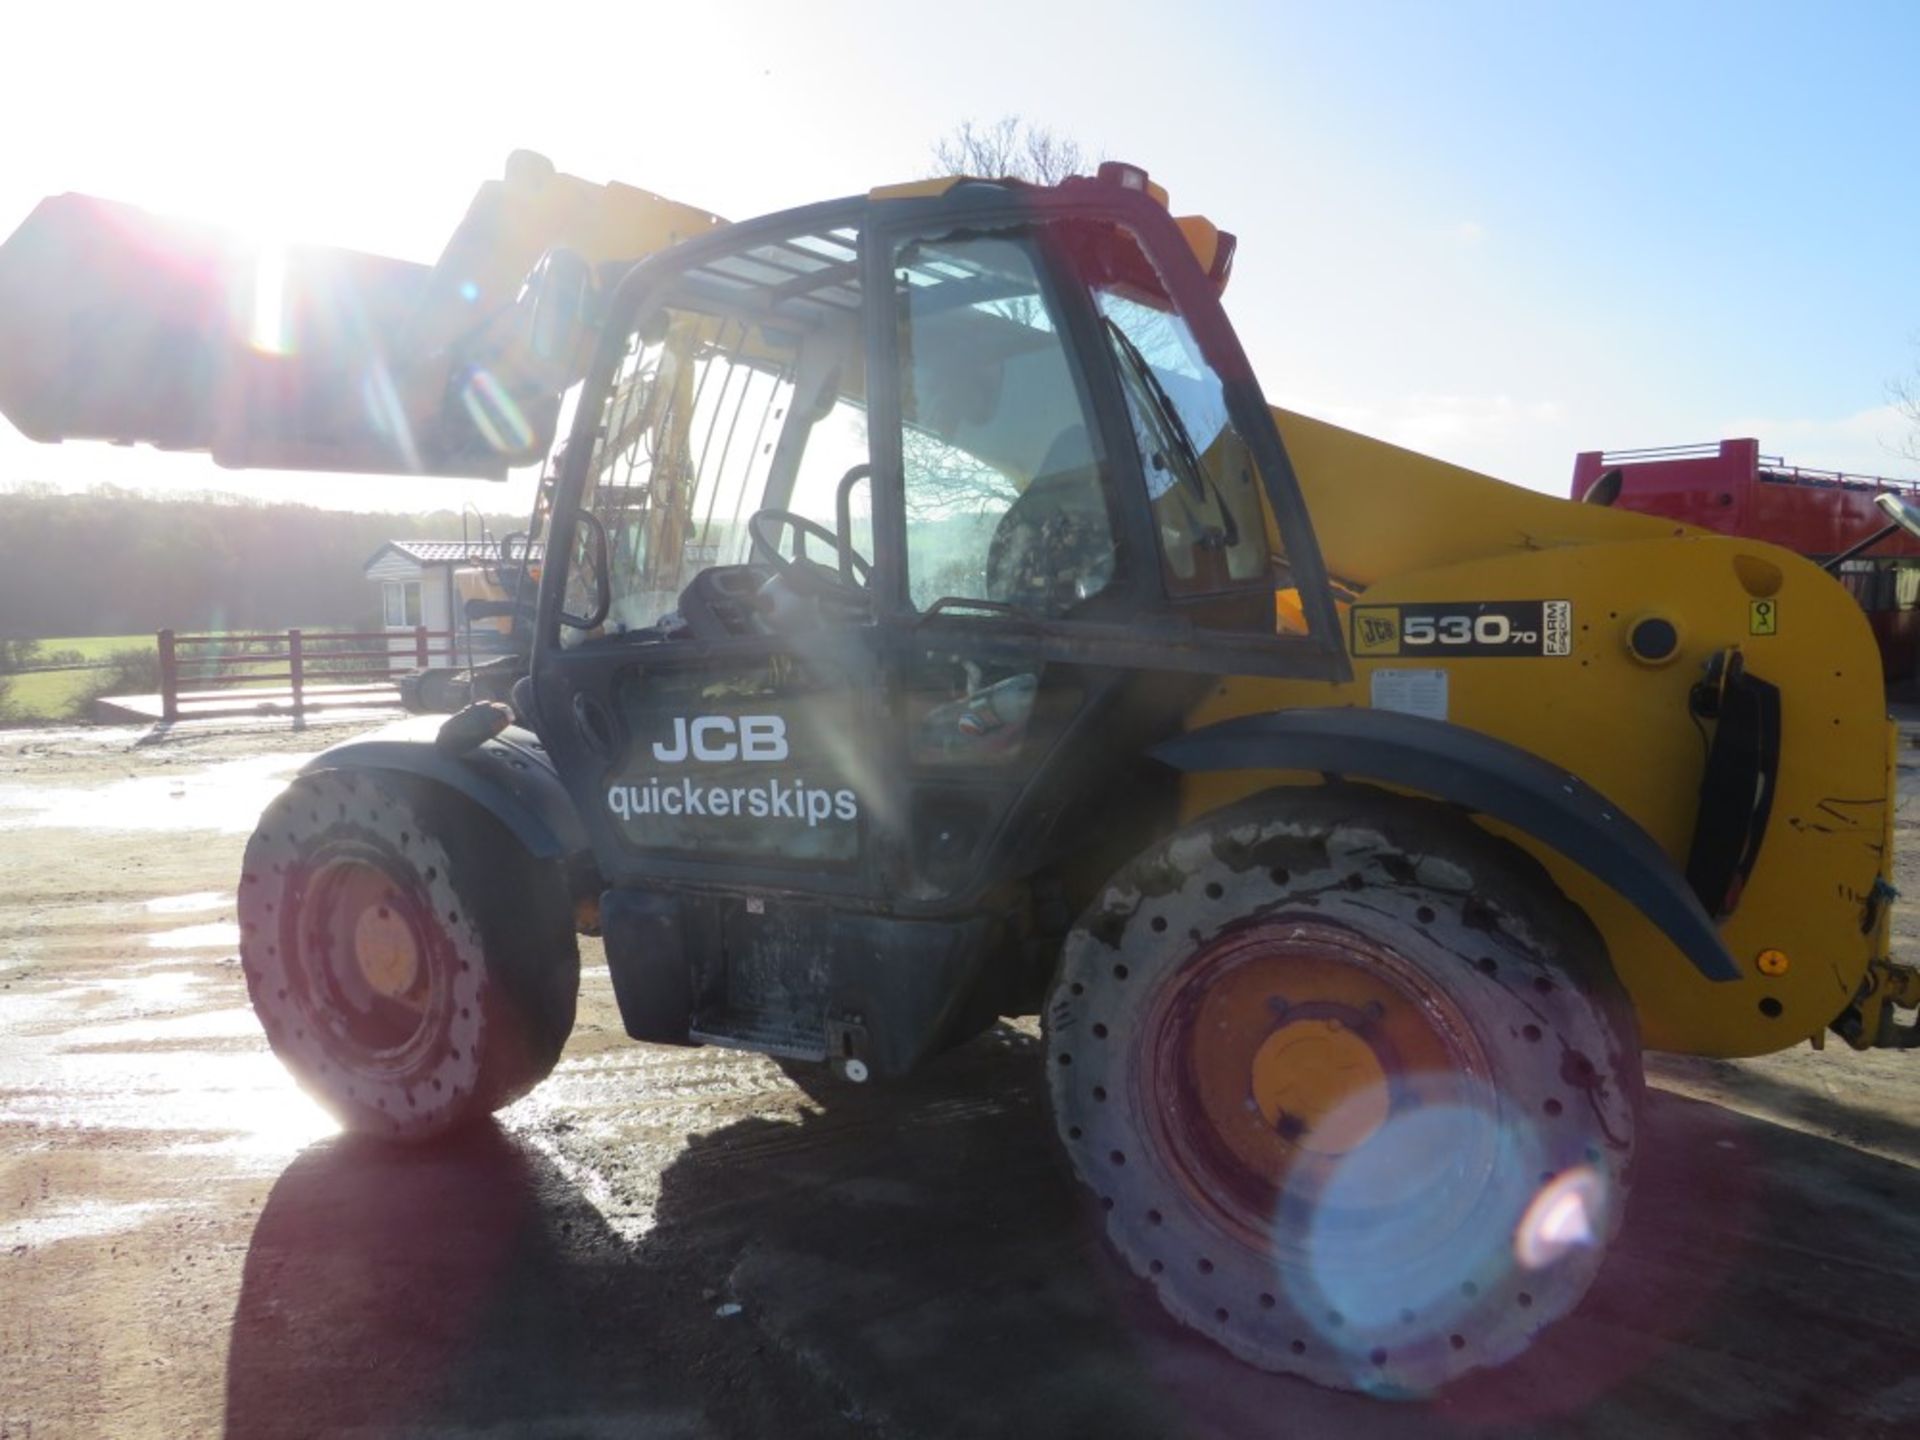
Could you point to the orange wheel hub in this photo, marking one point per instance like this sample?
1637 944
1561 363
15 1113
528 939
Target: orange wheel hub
1279 1049
1321 1083
367 942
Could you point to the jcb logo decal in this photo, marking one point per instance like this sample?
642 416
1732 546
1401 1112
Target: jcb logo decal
724 737
1464 629
1376 631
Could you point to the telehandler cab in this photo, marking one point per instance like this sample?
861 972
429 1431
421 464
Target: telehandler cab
935 624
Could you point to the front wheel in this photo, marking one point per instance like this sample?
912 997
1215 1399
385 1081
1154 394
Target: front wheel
1352 1083
411 964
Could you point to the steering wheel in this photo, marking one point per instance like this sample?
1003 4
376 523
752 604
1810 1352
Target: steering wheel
764 528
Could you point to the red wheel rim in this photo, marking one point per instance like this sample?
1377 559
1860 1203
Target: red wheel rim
370 961
1280 1048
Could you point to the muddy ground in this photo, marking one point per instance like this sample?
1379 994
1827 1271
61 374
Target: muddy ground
681 1243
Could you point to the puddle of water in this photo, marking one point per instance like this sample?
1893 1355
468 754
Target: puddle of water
189 904
215 935
99 1002
184 962
78 1222
227 798
237 1024
246 1102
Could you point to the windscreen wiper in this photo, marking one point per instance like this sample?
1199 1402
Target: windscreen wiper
1170 422
1227 534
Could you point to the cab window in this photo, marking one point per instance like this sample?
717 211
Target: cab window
1004 483
743 390
1201 481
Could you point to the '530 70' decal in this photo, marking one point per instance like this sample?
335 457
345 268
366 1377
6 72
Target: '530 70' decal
1465 627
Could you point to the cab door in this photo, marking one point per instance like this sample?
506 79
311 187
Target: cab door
1087 532
707 680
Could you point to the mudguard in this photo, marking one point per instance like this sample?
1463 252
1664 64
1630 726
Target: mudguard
1483 775
509 776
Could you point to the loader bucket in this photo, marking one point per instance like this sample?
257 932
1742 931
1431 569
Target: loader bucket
111 322
120 325
123 326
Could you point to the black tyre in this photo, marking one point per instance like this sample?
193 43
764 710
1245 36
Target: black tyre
411 964
1352 1082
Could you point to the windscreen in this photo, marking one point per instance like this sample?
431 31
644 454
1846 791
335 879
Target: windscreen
1201 479
1004 485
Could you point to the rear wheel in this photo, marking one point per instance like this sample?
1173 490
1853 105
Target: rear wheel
411 964
1353 1084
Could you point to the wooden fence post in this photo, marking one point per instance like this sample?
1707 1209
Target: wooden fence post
169 678
420 645
294 668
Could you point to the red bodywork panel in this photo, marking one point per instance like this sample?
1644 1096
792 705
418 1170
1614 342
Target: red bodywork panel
1736 490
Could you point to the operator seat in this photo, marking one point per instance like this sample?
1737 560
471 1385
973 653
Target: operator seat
1054 547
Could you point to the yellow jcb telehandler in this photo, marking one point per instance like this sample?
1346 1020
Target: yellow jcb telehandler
934 623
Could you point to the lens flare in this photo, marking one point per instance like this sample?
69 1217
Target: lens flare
1565 1216
1417 1220
495 414
1424 1238
386 414
270 332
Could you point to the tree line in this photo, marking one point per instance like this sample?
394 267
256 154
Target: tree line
113 562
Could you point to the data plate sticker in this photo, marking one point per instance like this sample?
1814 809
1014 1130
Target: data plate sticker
1411 692
1464 628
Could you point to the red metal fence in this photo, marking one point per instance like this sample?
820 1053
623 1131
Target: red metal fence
329 661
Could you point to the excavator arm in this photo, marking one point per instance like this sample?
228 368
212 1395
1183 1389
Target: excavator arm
123 326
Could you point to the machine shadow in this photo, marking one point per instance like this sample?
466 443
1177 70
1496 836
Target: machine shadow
917 1263
1757 1278
468 1286
387 1288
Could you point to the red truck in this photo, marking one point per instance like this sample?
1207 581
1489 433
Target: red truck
1733 488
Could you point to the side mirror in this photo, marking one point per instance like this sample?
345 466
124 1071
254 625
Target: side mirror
590 543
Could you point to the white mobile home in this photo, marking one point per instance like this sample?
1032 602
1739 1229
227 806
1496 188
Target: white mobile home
417 590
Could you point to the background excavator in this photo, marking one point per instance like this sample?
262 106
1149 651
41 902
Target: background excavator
1353 820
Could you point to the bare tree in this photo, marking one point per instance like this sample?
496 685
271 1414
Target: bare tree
1905 395
1010 147
951 493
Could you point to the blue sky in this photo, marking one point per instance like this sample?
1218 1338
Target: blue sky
1499 232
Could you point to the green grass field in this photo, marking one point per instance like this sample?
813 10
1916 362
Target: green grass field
39 699
96 647
55 696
